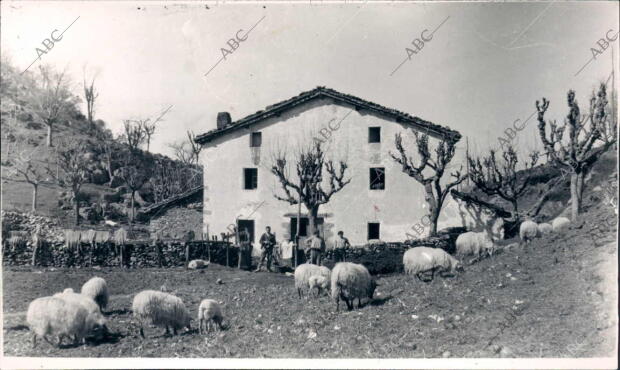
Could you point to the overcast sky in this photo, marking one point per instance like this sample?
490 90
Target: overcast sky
483 69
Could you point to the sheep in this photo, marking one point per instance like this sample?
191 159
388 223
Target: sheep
55 316
560 224
528 231
197 264
423 259
319 282
303 273
209 310
476 243
162 309
94 314
545 229
350 281
97 289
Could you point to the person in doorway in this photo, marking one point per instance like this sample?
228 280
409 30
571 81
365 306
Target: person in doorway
267 242
316 245
341 244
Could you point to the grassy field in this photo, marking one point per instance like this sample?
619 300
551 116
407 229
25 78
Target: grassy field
554 298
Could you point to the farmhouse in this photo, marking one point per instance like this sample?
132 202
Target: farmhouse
380 202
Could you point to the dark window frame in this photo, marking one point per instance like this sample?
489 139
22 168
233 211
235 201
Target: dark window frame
253 142
374 134
253 183
378 230
378 173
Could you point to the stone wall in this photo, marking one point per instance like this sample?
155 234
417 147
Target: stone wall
175 222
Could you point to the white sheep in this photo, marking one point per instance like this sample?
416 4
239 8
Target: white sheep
97 289
474 243
350 281
57 317
161 309
545 229
528 231
95 317
303 273
560 224
419 260
319 282
197 264
209 311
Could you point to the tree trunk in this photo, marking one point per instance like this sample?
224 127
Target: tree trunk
77 209
132 205
49 135
313 217
574 196
35 190
434 218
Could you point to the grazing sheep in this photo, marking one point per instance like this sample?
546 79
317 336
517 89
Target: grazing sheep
97 289
57 317
197 264
319 282
560 224
528 231
95 318
350 281
474 243
545 229
161 309
209 310
423 259
303 273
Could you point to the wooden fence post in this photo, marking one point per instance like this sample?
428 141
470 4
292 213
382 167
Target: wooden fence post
227 265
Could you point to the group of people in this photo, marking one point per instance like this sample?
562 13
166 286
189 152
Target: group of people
314 249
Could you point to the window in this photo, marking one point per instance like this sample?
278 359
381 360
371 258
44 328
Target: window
250 178
377 178
373 231
374 134
256 139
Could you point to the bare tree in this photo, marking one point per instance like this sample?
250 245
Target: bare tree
25 169
188 152
110 150
91 95
134 174
308 185
444 153
73 166
579 153
133 135
149 128
500 177
51 98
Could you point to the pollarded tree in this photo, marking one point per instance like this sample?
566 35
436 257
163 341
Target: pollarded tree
309 185
579 153
134 173
23 167
500 177
51 98
73 170
444 153
91 95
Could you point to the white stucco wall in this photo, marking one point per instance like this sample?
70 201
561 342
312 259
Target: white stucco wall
399 206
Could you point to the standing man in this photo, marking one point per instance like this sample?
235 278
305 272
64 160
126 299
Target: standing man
267 242
316 246
341 244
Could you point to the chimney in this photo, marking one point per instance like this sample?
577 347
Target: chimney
223 120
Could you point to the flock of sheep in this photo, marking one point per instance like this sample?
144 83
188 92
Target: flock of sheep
79 315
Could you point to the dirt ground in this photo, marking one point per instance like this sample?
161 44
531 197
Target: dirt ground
553 298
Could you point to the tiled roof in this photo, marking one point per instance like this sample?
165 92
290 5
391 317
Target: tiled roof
321 92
